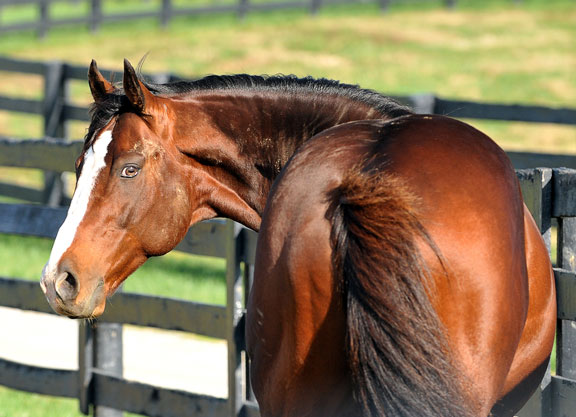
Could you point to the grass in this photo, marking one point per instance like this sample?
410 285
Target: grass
484 50
470 53
176 275
12 401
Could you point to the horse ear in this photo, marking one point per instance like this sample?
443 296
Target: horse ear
137 93
99 86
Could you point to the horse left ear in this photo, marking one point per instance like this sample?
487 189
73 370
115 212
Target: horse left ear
100 87
138 95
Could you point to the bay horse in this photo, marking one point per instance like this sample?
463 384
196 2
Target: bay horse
398 272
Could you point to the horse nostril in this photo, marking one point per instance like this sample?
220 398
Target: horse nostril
67 286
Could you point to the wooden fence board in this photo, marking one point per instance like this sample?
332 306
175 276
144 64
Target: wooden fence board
31 220
74 112
16 27
24 295
250 240
505 112
152 401
21 65
166 313
118 17
77 20
53 382
524 160
564 204
21 105
46 154
536 186
563 397
21 193
277 5
206 239
223 8
566 294
18 2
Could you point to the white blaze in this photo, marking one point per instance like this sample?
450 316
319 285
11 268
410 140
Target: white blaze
93 164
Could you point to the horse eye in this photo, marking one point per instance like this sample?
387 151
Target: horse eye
129 171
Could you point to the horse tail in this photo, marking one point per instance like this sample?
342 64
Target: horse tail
397 353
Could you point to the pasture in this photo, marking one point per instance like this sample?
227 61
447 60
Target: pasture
469 53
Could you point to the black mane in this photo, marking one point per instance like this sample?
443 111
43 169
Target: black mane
282 83
117 103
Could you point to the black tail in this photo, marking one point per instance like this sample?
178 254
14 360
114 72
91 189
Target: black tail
397 353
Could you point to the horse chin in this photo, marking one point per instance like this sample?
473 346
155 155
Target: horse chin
78 311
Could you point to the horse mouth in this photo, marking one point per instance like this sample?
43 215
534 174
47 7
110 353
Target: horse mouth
87 306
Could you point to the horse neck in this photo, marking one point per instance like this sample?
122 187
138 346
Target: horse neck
253 135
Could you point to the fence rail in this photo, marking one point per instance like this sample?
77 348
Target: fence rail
164 11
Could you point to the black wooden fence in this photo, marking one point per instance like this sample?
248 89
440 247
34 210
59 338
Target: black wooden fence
164 11
57 110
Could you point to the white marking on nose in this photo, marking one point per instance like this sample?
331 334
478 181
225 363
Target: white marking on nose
93 164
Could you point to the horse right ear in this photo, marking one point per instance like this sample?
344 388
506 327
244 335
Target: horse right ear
99 86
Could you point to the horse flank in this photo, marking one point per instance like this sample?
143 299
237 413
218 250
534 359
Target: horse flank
397 354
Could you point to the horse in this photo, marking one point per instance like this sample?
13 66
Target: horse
398 272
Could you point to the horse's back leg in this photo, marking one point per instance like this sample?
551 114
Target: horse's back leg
531 359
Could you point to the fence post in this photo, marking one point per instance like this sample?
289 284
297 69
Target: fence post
315 6
566 335
108 358
248 258
536 185
55 92
95 15
99 347
44 18
166 13
242 8
234 312
85 365
383 5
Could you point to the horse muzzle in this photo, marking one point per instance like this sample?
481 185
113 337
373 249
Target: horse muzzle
71 297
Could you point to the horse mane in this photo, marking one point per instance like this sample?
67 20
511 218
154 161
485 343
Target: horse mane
116 103
397 353
286 84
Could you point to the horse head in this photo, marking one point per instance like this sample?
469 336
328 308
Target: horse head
134 198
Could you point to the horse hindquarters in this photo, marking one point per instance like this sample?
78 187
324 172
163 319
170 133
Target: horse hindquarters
533 354
350 189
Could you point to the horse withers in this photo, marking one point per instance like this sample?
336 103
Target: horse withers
398 272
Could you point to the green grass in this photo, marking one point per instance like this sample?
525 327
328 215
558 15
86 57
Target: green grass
15 403
177 275
12 405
